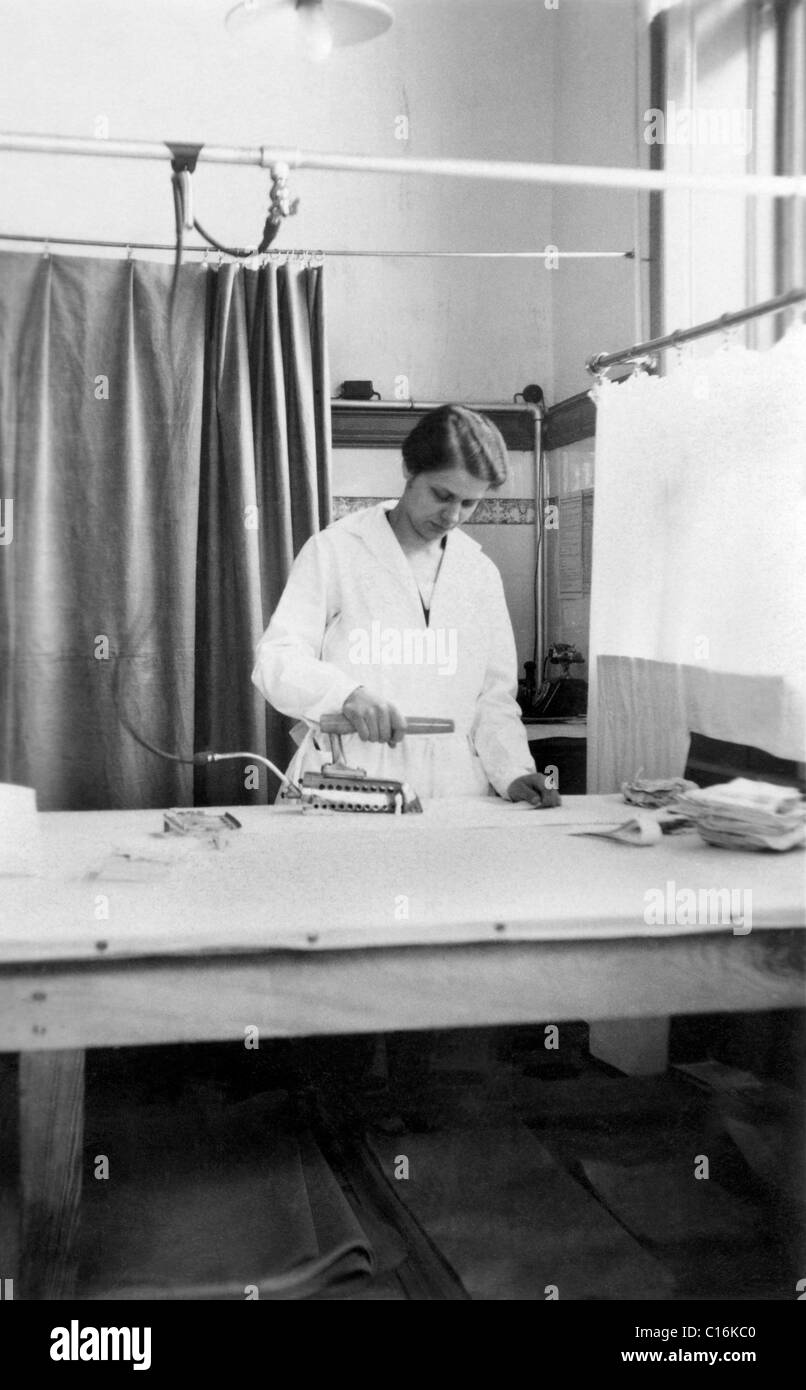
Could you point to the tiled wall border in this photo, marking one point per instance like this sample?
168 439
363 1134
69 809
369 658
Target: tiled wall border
491 511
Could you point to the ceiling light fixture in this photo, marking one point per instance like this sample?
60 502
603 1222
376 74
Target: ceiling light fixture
315 26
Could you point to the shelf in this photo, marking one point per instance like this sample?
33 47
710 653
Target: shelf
360 425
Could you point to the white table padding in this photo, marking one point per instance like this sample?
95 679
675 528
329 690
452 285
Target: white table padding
462 872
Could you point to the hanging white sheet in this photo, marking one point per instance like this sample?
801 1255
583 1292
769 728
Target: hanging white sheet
698 619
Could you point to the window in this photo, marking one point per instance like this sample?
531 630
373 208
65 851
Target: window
727 83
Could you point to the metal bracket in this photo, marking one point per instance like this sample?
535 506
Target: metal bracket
338 767
183 163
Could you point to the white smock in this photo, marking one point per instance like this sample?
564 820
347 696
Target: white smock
351 615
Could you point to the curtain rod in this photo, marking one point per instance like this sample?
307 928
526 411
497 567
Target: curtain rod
382 255
507 171
603 360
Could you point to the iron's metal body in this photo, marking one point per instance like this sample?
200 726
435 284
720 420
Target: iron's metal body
337 787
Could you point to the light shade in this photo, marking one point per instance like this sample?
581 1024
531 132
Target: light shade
330 23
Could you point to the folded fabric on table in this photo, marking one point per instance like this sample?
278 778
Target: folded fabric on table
230 1202
743 814
655 791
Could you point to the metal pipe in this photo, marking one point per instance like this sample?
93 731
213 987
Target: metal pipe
490 255
540 552
603 360
505 171
378 255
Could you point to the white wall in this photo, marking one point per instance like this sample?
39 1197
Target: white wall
499 79
511 79
600 93
473 79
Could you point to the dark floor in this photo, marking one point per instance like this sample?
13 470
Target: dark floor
532 1166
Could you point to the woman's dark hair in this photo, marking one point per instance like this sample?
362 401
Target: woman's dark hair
454 437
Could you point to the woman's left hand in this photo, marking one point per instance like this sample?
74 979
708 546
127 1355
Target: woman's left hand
532 788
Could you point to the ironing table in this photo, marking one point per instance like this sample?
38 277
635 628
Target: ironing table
477 912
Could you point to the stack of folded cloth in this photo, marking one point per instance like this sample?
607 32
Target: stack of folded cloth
655 791
746 815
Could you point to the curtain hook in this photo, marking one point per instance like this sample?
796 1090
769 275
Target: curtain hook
46 250
129 253
600 381
220 260
206 257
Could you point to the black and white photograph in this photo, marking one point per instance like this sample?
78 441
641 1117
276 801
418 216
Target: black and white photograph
403 664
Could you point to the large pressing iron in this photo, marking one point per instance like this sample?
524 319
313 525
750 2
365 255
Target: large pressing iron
338 787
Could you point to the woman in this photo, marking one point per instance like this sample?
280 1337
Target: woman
393 611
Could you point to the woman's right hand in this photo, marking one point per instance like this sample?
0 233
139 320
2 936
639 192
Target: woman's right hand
374 720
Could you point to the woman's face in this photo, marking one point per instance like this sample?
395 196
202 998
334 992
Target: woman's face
437 502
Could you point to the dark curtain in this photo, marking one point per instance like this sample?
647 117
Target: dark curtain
136 578
265 488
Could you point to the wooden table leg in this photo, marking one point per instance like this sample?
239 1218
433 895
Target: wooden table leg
51 1089
9 1169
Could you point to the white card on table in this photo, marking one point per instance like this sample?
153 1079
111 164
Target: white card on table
19 830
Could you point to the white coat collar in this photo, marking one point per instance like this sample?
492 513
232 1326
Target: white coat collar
372 526
374 529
